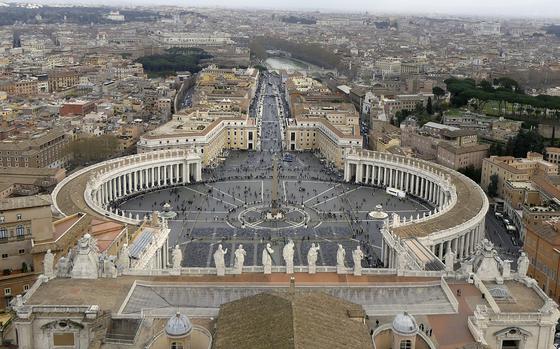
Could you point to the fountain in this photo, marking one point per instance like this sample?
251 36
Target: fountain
378 213
167 213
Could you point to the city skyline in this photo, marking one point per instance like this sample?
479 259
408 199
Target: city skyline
478 8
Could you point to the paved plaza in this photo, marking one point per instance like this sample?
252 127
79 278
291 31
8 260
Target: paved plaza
230 205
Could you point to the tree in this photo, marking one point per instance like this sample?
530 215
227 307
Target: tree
496 149
524 142
471 172
438 92
486 86
93 149
429 108
493 186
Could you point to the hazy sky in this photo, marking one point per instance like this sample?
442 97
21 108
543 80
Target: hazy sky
525 8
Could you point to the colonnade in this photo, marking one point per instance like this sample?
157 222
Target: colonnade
412 182
145 177
432 183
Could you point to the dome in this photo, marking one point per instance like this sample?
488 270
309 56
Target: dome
178 326
405 324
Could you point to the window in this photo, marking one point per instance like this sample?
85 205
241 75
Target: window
7 291
18 216
63 339
406 344
20 231
21 251
26 287
4 255
2 219
3 233
176 345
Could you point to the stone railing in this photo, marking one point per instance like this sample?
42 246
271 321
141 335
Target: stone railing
454 302
260 270
487 295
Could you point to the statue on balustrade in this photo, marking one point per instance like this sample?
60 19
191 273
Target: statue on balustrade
48 264
357 256
522 265
312 256
288 254
177 257
267 259
340 260
239 259
219 260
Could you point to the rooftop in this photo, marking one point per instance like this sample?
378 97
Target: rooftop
290 320
25 202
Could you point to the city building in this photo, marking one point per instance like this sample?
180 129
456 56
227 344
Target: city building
47 148
218 119
319 121
542 245
552 155
21 220
450 146
77 108
508 168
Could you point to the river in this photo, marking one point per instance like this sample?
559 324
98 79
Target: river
278 63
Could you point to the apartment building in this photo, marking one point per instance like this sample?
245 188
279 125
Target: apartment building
218 120
447 145
552 155
508 168
45 149
21 219
320 121
542 245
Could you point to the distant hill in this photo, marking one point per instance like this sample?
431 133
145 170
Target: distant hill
12 14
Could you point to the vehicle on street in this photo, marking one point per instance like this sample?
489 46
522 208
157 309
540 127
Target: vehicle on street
396 192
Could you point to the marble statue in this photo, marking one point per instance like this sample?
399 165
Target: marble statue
123 262
48 264
177 257
86 261
239 259
267 259
522 265
506 269
449 260
357 256
219 260
109 267
340 260
312 255
63 267
288 254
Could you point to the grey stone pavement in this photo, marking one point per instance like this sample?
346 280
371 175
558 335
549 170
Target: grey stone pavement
229 205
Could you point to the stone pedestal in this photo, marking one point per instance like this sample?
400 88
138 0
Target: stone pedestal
358 271
340 269
289 268
312 269
268 269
